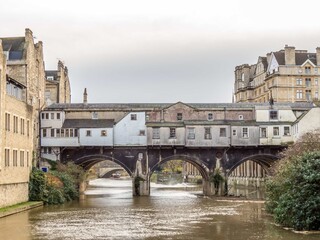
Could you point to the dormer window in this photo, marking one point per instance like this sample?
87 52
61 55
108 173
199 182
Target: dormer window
307 70
273 114
179 116
50 78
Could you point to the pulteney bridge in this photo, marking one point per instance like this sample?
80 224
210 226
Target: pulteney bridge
241 140
143 161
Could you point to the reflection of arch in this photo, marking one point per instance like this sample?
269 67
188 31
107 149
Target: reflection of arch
89 160
264 160
203 169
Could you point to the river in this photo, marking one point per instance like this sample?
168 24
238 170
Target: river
171 212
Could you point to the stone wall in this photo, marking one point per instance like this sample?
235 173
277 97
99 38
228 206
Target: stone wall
13 193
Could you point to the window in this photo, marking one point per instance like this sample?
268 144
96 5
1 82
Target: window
44 133
52 132
147 117
47 115
66 133
234 132
76 132
94 115
58 115
263 132
27 159
133 117
316 81
22 126
88 133
207 133
15 124
42 115
155 133
191 133
28 128
179 116
308 82
15 158
210 116
21 158
223 132
308 95
71 132
307 70
245 133
58 133
50 78
299 94
273 115
275 131
299 81
172 133
286 131
7 157
240 117
103 133
7 121
61 132
316 95
142 133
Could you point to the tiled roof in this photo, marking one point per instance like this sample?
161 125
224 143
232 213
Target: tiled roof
299 57
88 123
15 46
52 73
159 106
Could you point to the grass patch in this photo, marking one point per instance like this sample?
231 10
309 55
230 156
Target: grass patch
18 206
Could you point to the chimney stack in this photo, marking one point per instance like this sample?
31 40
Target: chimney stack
289 55
85 96
318 55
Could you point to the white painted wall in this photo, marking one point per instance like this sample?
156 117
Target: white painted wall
308 123
52 123
127 131
95 139
284 115
60 142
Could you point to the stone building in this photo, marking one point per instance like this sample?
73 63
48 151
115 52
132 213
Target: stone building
288 75
57 85
22 97
17 114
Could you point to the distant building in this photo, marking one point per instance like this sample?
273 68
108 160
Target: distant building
57 85
287 75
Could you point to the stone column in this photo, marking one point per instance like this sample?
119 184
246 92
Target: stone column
141 180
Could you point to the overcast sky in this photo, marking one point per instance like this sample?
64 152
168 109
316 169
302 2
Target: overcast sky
160 50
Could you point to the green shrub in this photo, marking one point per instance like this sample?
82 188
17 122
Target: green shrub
37 186
293 194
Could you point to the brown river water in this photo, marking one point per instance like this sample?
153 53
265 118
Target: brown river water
171 212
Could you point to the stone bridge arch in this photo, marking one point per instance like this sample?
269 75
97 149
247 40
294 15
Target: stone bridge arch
264 160
88 161
203 169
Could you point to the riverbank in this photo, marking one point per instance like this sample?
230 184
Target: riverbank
6 211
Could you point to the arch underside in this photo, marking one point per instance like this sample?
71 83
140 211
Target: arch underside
264 160
90 160
203 169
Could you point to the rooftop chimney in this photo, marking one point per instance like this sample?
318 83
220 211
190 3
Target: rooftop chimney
289 55
318 55
85 96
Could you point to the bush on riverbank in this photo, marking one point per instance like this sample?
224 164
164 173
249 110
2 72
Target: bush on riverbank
56 187
293 194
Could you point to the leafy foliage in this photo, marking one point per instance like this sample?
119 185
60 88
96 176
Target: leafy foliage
293 194
56 187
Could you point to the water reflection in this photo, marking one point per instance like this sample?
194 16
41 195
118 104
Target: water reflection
171 212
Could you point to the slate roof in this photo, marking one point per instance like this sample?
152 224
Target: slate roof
53 73
159 106
300 57
15 46
88 123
